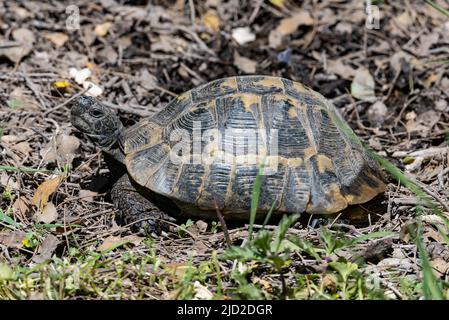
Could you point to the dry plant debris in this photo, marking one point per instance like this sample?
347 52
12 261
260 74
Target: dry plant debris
391 83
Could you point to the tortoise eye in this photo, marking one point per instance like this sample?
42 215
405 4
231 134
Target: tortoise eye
96 113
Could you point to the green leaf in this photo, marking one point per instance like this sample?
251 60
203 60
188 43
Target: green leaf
6 273
344 269
7 219
286 222
262 241
238 253
306 246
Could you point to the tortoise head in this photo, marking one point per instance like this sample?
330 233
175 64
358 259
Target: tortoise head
96 121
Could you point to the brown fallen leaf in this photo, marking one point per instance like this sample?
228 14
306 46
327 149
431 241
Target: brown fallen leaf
87 195
12 239
22 147
62 149
46 249
244 64
8 181
425 42
48 214
57 38
340 69
21 206
440 266
289 25
44 191
115 241
147 80
25 40
102 30
211 20
9 138
67 147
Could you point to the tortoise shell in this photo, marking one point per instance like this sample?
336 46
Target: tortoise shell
317 167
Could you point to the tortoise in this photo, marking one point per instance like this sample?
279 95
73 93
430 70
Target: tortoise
238 125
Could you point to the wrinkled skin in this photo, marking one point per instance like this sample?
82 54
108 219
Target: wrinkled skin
103 127
97 121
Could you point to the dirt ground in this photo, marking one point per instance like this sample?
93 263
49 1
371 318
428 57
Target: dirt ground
388 77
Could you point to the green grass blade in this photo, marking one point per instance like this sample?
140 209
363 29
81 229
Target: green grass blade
23 169
437 7
373 235
431 286
268 216
255 198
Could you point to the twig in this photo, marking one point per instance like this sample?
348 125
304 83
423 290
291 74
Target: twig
223 225
65 102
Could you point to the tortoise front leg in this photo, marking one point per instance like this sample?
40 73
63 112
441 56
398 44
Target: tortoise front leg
146 218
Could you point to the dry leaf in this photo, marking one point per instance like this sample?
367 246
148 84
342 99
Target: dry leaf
275 39
9 139
12 239
244 64
362 87
211 20
201 225
339 68
44 191
102 30
25 39
46 249
377 113
343 27
289 25
431 80
201 292
113 241
8 181
48 215
22 147
87 195
21 206
147 80
425 42
440 266
57 38
67 146
404 20
108 54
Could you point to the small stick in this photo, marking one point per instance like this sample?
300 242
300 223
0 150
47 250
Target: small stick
65 102
223 225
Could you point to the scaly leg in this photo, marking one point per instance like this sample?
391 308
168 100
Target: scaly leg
133 207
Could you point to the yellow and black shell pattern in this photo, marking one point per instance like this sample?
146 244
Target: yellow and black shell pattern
318 168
